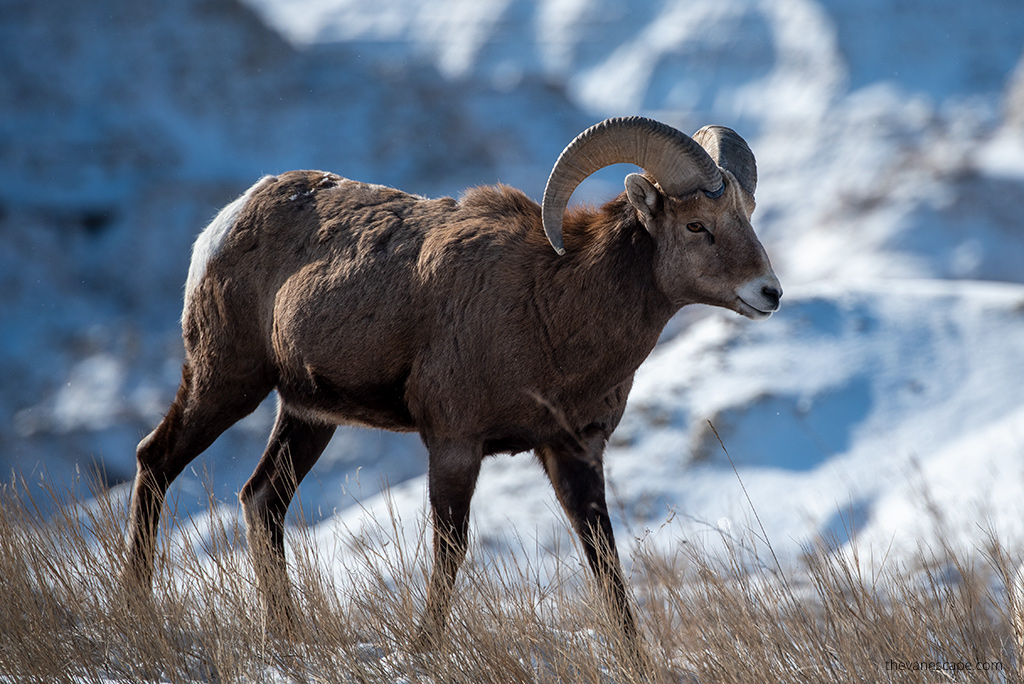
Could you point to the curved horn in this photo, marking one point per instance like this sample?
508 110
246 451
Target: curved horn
679 164
731 152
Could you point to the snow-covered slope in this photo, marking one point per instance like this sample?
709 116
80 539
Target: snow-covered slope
890 144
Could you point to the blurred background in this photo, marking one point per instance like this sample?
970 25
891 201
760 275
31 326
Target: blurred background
885 395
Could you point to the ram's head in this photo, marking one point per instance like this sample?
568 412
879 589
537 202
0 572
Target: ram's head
695 200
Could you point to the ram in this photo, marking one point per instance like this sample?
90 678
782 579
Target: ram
364 305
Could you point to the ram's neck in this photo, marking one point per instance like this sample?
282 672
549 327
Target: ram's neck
610 310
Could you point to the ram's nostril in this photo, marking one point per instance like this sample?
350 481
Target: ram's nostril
772 294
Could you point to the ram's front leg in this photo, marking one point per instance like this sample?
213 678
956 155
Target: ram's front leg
576 472
452 478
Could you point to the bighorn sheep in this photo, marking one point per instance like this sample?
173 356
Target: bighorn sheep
361 304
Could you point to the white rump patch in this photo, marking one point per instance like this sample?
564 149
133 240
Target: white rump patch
212 238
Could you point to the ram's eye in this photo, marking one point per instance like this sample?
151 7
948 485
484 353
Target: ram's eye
695 227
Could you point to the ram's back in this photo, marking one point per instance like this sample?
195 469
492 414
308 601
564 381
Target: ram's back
361 298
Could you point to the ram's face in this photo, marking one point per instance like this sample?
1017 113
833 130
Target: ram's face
707 250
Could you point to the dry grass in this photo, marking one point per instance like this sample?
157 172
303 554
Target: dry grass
723 617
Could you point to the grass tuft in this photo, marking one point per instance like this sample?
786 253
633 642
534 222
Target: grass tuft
731 616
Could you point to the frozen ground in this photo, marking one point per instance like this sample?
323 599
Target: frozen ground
891 197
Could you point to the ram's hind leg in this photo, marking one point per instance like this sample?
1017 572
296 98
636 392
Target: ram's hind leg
205 406
294 446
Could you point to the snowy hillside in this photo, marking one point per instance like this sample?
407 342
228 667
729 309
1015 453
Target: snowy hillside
890 145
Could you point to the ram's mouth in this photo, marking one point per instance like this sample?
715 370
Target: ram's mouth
751 311
758 298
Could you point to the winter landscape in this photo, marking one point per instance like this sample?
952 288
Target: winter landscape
880 411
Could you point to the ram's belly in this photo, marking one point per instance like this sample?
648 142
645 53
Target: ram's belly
344 356
379 405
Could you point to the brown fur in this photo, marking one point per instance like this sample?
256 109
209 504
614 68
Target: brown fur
364 305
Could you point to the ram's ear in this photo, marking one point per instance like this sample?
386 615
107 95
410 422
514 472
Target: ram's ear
645 198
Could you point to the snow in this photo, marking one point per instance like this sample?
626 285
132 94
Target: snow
890 197
836 398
